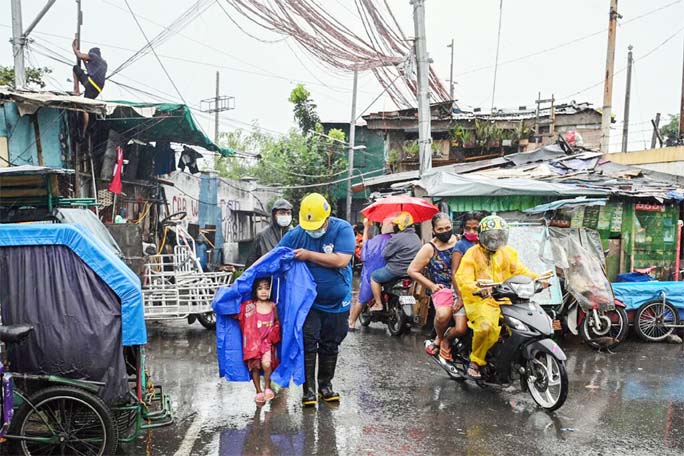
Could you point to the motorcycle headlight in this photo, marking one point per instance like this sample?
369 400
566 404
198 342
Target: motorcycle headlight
516 324
523 290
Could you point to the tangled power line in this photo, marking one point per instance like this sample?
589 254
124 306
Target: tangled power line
383 49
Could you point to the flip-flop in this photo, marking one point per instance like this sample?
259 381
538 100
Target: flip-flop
269 394
260 398
431 348
476 369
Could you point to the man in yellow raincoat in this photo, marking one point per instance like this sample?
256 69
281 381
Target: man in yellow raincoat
491 259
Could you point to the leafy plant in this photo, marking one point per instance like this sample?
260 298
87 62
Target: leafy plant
34 75
411 150
304 109
293 160
670 131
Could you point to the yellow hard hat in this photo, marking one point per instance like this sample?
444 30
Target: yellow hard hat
313 212
402 220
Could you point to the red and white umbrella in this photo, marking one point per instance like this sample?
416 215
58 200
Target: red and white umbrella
419 209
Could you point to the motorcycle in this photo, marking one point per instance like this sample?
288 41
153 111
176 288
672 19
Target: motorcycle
397 307
525 351
598 329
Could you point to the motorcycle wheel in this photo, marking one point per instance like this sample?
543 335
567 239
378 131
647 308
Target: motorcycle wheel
207 319
365 316
396 319
547 380
651 318
619 327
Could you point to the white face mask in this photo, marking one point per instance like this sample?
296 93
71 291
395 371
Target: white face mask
316 234
283 220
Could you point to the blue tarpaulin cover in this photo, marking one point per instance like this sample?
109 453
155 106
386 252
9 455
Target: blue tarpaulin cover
123 282
294 291
635 294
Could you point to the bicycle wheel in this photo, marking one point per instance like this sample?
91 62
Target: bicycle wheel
653 321
65 420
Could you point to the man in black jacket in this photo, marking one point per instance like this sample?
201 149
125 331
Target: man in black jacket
267 239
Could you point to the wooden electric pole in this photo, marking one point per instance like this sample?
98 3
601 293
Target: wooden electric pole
608 85
628 90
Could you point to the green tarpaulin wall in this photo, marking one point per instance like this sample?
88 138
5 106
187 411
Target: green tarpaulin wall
170 122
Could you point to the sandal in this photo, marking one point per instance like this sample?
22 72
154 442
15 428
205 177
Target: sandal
375 307
268 394
431 348
473 372
260 398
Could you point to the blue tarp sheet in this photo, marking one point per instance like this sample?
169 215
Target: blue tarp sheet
294 291
99 258
634 294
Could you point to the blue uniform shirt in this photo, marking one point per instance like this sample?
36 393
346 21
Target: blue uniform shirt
333 285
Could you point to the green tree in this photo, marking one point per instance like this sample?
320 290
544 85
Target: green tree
303 157
34 76
304 109
670 131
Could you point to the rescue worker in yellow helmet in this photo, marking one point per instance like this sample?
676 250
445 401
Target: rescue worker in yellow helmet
491 259
326 244
398 253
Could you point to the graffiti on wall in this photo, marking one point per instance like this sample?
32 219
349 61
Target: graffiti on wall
233 230
180 203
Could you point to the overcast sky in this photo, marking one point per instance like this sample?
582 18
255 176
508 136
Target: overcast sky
261 75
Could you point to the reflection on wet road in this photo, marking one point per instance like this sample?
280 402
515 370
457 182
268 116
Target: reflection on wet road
395 400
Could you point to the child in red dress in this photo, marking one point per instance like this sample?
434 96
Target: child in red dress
260 332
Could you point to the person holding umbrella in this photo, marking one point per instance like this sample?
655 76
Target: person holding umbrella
405 244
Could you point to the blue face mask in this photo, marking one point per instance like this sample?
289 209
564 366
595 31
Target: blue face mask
316 234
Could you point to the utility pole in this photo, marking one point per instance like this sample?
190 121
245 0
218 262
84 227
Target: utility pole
79 22
18 45
628 90
608 85
218 103
20 37
424 113
681 107
451 71
216 115
496 60
352 138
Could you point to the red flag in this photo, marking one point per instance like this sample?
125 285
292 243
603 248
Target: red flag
115 185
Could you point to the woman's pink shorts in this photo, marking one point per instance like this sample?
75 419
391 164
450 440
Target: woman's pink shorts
443 298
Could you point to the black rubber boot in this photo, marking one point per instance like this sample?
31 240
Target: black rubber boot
326 372
309 393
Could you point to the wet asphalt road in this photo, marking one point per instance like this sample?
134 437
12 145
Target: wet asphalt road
395 400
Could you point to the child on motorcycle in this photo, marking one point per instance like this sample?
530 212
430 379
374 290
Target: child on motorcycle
260 332
491 259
